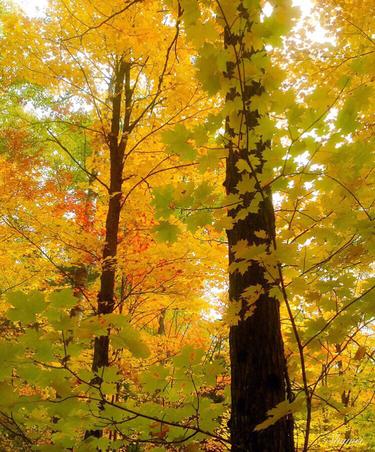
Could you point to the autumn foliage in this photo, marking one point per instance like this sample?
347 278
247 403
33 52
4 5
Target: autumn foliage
141 143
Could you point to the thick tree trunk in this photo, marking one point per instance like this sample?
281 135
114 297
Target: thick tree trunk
258 366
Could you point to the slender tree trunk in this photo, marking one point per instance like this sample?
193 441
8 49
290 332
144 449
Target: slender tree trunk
161 328
345 395
117 144
117 141
258 365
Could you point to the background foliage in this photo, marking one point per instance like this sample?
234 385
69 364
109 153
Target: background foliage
167 383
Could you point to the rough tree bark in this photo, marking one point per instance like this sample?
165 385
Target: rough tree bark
258 366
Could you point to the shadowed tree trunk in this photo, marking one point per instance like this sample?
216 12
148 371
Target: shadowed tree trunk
258 367
117 144
117 140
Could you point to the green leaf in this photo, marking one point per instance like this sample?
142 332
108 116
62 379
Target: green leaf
166 232
63 299
198 219
163 200
212 370
202 191
26 306
177 142
188 356
242 166
279 411
211 64
246 184
155 378
211 160
9 351
129 338
8 395
111 374
191 11
347 118
116 320
266 128
89 328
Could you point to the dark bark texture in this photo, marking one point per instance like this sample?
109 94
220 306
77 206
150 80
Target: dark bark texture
117 141
117 144
258 367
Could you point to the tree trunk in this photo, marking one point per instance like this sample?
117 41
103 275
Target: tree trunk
117 141
161 328
258 365
106 297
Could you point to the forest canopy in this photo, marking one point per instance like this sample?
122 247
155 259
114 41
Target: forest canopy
187 225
